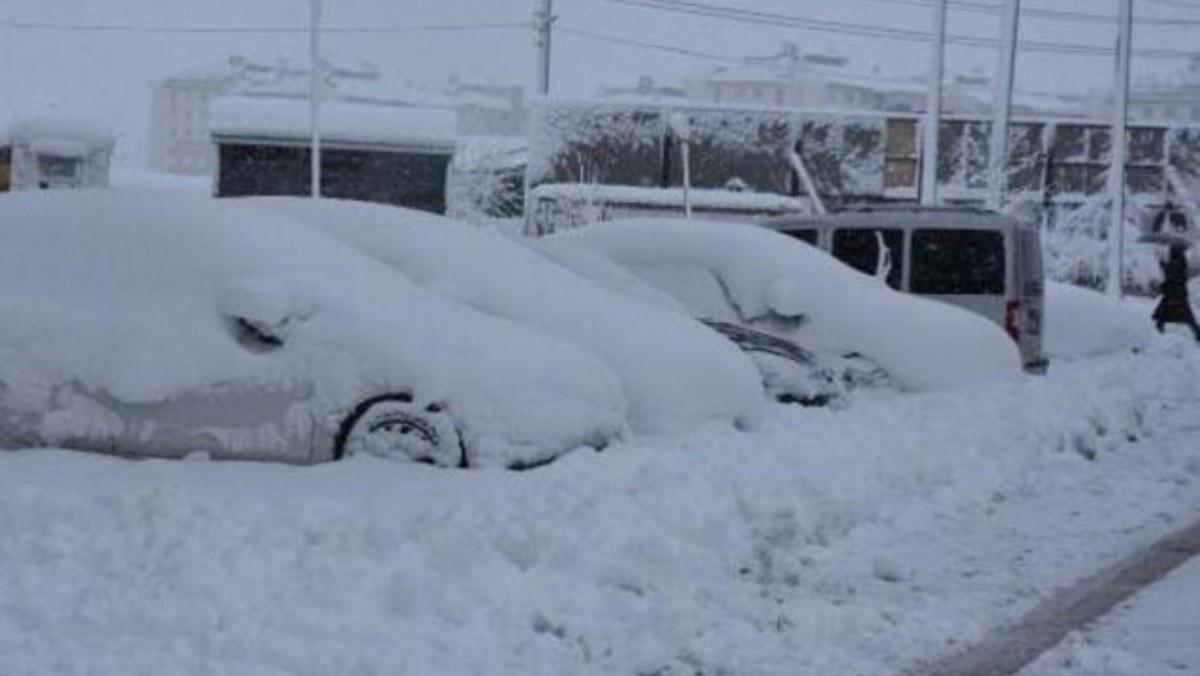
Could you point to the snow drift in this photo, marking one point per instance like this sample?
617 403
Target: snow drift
1081 322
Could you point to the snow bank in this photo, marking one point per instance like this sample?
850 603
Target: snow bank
129 293
766 276
1082 322
714 552
676 373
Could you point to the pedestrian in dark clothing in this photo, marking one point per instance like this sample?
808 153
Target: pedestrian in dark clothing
1174 307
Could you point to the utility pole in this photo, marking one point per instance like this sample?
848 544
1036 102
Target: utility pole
933 108
314 95
1116 171
543 21
998 155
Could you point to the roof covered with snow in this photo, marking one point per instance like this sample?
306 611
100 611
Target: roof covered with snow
357 123
666 197
78 133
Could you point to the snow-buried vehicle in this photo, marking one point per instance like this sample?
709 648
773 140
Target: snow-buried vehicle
163 324
742 275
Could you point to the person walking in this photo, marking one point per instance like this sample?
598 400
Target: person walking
1175 307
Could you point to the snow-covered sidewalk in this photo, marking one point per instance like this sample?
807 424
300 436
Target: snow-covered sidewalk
862 540
1156 633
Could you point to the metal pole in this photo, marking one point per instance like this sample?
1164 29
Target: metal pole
543 19
1116 171
933 109
687 178
314 97
998 155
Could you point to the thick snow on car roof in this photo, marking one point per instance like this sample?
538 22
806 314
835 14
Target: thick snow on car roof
675 372
129 293
923 344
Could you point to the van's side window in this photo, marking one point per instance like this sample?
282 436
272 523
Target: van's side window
957 262
804 235
859 248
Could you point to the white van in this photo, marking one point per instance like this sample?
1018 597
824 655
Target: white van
980 260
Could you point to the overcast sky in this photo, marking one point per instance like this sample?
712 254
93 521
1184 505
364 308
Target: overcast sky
107 74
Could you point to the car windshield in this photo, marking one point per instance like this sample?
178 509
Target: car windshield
957 262
859 248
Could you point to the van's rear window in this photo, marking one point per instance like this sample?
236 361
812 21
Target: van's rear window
859 248
957 262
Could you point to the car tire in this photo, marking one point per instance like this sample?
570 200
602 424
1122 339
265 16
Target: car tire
398 426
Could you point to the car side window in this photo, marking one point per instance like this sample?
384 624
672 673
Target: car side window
859 248
957 262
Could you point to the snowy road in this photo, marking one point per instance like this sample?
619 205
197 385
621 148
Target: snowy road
1156 633
864 540
1070 610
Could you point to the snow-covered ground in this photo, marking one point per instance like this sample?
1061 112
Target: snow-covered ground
1156 633
861 540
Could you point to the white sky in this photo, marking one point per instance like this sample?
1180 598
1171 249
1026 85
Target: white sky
107 74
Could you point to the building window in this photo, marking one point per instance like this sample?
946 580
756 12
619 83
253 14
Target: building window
1081 154
900 158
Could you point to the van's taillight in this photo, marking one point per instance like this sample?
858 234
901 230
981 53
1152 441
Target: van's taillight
1012 320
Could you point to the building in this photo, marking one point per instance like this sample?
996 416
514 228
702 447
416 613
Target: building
1174 100
47 154
180 113
792 78
645 89
853 157
180 117
373 152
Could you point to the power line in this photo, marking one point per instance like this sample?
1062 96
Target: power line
742 15
258 30
612 39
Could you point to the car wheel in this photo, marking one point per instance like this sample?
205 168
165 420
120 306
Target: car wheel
396 426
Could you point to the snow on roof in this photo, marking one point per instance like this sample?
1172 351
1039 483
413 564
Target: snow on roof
286 118
702 198
59 147
88 134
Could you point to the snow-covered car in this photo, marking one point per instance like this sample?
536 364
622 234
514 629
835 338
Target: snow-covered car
675 373
757 278
161 324
794 375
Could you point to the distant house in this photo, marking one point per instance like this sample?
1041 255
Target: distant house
180 105
44 154
372 152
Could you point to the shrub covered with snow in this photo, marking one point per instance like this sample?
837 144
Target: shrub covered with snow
1076 247
761 277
